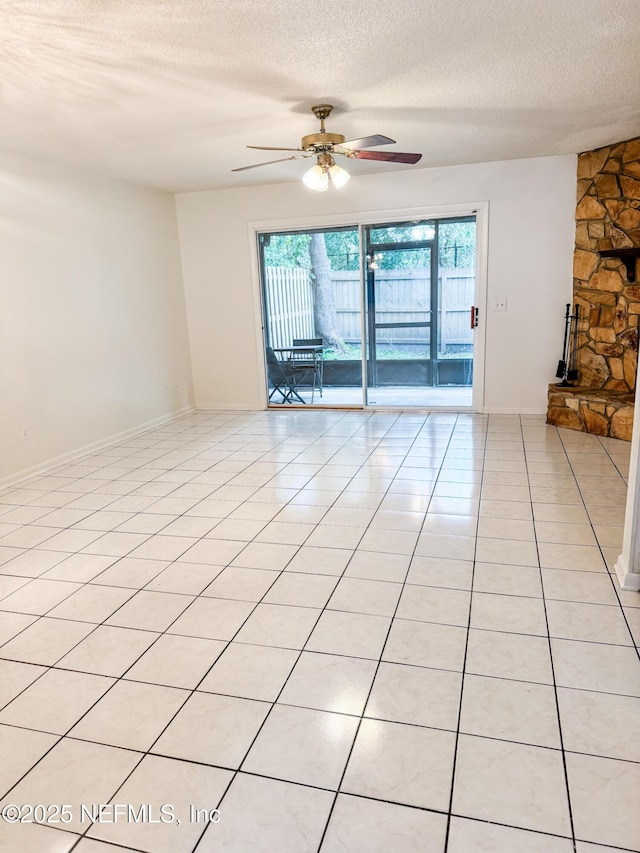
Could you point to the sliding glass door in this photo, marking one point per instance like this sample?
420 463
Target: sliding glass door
420 350
373 315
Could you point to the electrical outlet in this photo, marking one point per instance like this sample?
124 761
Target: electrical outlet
164 390
24 434
183 383
500 304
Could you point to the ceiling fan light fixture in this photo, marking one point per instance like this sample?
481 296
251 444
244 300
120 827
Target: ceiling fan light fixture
317 178
339 176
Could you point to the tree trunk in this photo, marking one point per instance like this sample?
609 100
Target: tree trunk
324 306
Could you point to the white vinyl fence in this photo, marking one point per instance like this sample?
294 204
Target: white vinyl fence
289 305
402 296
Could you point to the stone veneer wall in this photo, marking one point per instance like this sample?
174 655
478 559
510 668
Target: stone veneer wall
607 216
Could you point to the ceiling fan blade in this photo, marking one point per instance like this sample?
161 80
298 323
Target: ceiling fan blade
368 142
269 148
268 163
387 156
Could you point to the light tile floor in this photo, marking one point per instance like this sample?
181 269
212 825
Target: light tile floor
347 631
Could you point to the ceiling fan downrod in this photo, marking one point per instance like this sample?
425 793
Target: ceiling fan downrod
321 140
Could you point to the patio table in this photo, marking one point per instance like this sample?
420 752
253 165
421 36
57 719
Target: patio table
293 352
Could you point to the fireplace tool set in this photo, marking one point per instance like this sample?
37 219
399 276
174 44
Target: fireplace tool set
567 370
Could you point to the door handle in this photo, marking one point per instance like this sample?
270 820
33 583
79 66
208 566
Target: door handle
474 317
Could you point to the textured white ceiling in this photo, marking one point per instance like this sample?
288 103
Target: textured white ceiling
168 92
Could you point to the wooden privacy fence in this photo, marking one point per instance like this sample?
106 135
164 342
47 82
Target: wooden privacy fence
402 296
457 295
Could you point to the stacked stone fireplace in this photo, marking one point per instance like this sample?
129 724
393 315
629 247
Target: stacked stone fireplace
607 293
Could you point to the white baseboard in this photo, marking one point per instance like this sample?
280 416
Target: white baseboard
73 455
228 407
509 410
629 581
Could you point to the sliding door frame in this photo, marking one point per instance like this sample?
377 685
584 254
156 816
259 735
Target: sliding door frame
359 219
370 299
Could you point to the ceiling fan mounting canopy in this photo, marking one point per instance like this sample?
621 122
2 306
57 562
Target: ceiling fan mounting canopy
322 139
322 111
324 143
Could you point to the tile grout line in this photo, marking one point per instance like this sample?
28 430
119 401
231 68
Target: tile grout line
464 662
238 770
555 693
118 679
192 692
611 576
90 582
357 731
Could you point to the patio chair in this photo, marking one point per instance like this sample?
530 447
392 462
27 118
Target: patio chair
282 379
309 363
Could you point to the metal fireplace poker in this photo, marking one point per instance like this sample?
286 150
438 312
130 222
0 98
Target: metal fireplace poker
567 370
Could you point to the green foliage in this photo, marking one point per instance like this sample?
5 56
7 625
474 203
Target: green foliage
457 244
353 352
343 248
288 250
408 259
350 352
456 247
292 250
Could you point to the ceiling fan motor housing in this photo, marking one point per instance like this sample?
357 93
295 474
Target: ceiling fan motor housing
321 140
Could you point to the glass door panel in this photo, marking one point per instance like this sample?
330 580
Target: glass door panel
312 315
402 232
399 323
420 286
456 296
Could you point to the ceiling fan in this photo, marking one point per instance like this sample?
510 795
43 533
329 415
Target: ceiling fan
324 146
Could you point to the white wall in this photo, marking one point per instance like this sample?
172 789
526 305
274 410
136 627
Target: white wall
531 240
628 563
92 315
